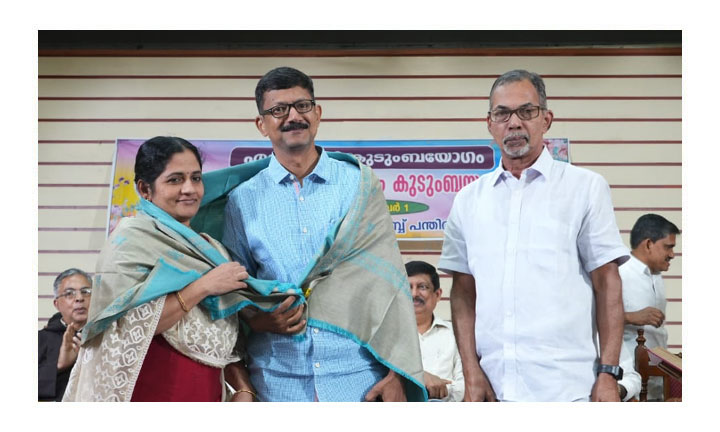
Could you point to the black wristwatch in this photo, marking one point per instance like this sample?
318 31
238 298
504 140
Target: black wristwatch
614 370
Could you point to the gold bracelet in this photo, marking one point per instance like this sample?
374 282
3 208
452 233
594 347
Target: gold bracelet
245 391
182 303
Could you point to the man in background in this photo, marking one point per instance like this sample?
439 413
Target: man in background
58 342
652 240
440 357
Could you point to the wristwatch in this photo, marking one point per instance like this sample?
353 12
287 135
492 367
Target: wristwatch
614 370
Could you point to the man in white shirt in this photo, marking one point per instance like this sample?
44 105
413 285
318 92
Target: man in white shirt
440 357
534 249
652 240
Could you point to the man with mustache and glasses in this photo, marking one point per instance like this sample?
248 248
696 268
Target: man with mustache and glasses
534 249
652 240
319 220
441 360
58 342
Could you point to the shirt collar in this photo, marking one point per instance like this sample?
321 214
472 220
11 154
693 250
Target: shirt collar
638 265
437 322
497 174
279 173
542 166
322 169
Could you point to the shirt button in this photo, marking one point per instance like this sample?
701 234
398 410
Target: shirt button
302 199
317 365
304 230
316 331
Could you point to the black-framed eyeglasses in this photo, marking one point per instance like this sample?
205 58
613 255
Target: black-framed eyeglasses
72 293
280 111
525 112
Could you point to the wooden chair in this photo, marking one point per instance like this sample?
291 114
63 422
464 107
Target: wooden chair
646 370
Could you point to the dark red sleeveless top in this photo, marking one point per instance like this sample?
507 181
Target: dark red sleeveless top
169 376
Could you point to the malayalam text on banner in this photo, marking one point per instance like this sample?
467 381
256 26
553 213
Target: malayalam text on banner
419 178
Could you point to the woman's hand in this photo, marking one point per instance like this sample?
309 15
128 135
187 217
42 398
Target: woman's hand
236 374
242 397
220 280
224 278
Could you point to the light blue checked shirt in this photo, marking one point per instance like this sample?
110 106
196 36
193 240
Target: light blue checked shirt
275 226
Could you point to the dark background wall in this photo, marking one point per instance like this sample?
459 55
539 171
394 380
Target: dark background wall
349 39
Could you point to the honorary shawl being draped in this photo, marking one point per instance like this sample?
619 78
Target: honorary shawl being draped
145 258
356 286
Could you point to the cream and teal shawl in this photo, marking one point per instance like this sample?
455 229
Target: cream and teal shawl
154 255
356 286
145 258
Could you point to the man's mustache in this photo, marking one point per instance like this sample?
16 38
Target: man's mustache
526 137
293 126
419 299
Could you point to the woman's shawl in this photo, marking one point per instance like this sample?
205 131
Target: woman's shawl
108 365
145 258
356 286
152 255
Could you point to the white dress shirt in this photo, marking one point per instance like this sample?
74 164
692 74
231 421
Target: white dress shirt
530 244
441 358
641 289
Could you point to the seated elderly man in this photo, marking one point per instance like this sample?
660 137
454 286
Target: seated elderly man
59 341
441 360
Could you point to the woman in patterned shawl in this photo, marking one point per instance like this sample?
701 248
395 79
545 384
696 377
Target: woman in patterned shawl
149 336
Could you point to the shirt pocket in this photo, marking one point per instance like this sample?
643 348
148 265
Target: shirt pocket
551 247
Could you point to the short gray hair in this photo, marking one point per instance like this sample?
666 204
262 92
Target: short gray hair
521 75
66 274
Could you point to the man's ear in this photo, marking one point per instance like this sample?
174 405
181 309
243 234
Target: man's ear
260 125
547 120
646 245
439 292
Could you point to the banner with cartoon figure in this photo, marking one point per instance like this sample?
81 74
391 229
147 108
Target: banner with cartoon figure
420 177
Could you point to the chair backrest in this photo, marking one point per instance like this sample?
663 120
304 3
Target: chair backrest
646 370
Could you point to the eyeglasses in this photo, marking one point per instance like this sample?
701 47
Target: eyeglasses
72 293
526 112
280 111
